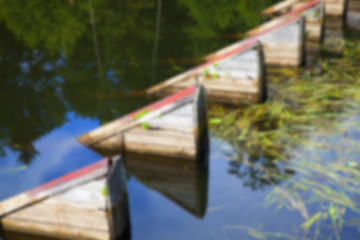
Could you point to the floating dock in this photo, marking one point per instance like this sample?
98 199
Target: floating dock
282 39
353 14
183 182
313 11
335 7
175 126
232 78
90 203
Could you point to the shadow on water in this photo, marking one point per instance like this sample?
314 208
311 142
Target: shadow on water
183 182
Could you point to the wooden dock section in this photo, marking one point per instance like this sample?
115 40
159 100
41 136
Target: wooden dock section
353 14
183 182
312 10
232 78
175 126
90 203
333 35
335 7
283 41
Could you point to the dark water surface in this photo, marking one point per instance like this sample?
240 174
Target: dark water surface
67 67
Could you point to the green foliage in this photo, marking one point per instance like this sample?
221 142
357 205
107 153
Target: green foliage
105 191
206 72
297 107
50 24
215 75
215 120
146 126
141 114
309 126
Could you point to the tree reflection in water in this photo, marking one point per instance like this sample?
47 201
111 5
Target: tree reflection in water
87 57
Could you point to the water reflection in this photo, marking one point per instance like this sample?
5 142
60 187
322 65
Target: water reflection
184 182
56 84
89 57
30 97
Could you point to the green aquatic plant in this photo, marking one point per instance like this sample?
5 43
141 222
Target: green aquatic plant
206 72
215 75
146 126
296 107
141 114
215 121
105 191
14 170
309 127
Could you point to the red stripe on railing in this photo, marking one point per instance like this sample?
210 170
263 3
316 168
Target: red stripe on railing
249 42
161 103
246 45
69 177
302 8
280 25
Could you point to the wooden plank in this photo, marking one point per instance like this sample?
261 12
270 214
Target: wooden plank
335 7
201 135
97 209
194 71
237 70
169 130
291 7
353 14
79 213
117 201
280 8
84 175
129 121
161 142
312 10
183 182
280 32
220 96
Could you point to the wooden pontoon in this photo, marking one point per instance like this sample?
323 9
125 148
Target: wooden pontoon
233 78
174 127
312 10
333 35
90 203
335 7
353 14
282 39
183 182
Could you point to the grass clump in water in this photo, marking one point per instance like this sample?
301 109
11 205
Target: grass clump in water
310 128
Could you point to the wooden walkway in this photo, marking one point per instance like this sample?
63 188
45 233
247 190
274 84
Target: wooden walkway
234 77
90 203
353 14
313 11
175 126
165 144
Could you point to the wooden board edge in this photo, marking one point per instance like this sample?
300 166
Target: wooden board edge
303 8
117 200
201 133
246 45
302 35
56 186
262 85
88 140
277 24
272 10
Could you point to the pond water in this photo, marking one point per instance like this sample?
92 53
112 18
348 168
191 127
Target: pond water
68 67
